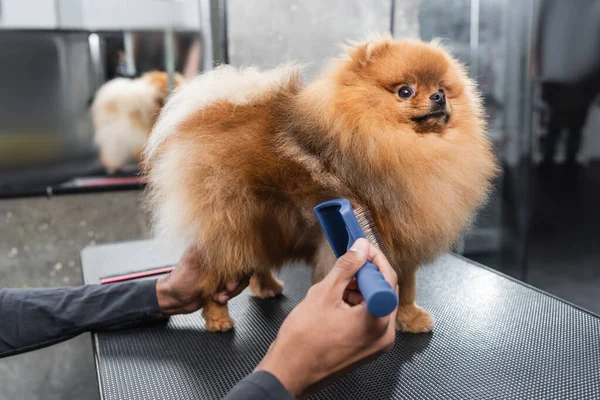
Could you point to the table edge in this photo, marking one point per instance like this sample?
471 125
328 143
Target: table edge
527 285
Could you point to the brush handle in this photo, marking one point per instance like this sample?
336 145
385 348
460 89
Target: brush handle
379 296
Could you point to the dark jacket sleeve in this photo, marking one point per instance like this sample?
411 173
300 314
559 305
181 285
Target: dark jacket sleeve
259 385
35 318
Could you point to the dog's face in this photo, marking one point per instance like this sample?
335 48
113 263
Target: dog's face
403 84
407 106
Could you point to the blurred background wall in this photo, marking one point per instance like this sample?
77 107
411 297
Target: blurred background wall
267 33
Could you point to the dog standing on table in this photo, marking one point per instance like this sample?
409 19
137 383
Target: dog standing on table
239 158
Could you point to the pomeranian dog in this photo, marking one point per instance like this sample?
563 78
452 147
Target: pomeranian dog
239 158
123 113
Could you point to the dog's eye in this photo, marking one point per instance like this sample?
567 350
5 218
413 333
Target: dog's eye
405 92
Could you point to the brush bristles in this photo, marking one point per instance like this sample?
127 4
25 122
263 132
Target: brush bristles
367 223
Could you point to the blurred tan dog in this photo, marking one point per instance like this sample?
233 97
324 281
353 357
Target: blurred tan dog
123 113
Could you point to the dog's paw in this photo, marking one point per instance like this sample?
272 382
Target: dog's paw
219 324
266 290
413 319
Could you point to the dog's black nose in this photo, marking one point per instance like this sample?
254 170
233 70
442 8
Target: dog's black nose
439 97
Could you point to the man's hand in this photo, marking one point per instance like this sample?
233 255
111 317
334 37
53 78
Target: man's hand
178 292
331 330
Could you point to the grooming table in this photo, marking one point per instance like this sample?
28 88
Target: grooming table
495 338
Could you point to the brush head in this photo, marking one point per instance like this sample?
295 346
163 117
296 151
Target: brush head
367 223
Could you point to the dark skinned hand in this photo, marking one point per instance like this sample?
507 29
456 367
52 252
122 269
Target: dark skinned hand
178 292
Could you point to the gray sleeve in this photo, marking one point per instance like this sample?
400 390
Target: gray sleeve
35 318
259 385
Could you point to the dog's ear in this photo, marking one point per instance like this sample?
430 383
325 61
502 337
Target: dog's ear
363 53
159 100
179 79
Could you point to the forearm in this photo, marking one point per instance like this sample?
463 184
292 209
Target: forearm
35 318
260 385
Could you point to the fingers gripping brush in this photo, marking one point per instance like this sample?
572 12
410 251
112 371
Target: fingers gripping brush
343 226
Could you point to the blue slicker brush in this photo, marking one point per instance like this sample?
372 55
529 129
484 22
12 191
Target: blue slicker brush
343 226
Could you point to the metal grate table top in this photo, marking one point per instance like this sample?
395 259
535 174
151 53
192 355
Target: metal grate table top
495 338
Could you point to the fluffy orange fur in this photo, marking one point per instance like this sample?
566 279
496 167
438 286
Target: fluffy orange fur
238 179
